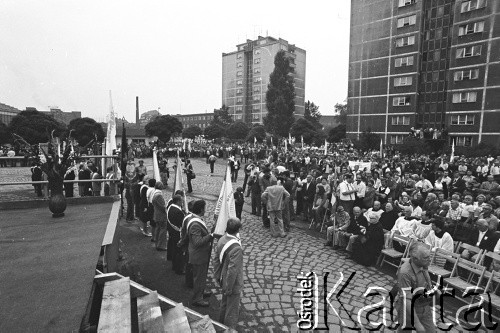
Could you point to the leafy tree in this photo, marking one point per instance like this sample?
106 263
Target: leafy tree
222 117
368 141
303 127
164 127
335 134
280 97
214 132
35 126
5 136
258 132
238 130
311 113
341 113
85 130
192 132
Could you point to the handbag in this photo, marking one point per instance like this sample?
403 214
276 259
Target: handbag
192 175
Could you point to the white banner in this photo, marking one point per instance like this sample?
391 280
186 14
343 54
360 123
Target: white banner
226 209
362 165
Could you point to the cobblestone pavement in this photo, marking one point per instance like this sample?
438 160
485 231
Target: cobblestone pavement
270 299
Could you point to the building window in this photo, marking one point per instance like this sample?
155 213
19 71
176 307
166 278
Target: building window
435 76
256 71
256 98
406 21
239 82
437 55
465 97
256 107
405 61
256 117
397 139
239 91
239 100
440 11
469 51
256 89
462 141
400 120
239 73
240 64
403 81
238 116
256 52
405 41
256 61
403 3
439 34
257 80
239 56
472 74
401 101
239 108
471 28
465 119
467 6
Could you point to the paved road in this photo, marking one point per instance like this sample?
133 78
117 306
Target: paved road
270 299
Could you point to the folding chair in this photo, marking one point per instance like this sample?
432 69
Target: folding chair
393 254
460 280
490 293
440 260
476 251
327 213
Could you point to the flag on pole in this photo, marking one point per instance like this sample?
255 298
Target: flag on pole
381 148
184 145
189 145
452 156
111 130
156 168
286 145
302 140
178 183
271 141
289 138
226 209
326 147
58 143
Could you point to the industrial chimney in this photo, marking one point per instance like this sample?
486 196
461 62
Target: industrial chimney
137 123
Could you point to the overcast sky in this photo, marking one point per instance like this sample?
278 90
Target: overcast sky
69 53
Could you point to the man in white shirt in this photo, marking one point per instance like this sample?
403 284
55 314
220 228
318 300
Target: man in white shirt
375 210
360 187
404 225
347 193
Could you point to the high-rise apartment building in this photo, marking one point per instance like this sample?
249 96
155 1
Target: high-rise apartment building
426 64
245 76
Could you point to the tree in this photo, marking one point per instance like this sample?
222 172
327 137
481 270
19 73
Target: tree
192 132
85 130
258 131
335 134
222 117
341 113
35 127
368 141
214 132
280 97
164 127
5 136
311 113
303 127
238 130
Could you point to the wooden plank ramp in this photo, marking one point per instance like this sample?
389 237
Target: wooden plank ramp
149 314
115 313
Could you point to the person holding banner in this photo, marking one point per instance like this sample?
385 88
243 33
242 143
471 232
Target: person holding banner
228 272
199 248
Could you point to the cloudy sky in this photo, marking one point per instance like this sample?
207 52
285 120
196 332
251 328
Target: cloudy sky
70 54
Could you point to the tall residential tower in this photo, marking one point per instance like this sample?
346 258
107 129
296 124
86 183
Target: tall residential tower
425 64
245 76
